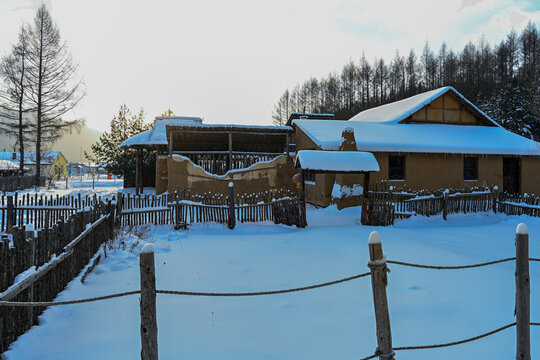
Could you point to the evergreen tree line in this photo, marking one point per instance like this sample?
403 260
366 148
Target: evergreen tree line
503 80
38 88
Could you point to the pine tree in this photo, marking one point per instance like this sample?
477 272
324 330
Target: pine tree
119 160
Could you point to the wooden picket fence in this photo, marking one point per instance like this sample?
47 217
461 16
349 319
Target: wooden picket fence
183 208
40 210
14 183
452 201
53 256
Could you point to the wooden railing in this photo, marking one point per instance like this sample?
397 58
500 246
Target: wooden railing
219 162
40 210
13 183
182 208
50 258
452 201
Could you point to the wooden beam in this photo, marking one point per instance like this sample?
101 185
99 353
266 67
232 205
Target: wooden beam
229 163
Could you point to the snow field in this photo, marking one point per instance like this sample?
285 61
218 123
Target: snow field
337 322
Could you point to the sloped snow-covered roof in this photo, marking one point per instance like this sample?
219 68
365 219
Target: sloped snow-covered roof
47 157
336 161
399 110
158 134
8 165
425 138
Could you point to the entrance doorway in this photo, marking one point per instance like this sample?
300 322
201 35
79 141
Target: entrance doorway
511 175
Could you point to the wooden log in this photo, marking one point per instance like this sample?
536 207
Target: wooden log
523 294
149 348
379 280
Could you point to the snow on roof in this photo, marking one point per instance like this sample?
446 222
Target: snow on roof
402 109
424 138
158 134
345 161
8 165
47 157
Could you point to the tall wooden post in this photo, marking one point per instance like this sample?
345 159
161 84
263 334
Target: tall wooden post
523 294
445 204
10 216
30 237
303 197
230 200
379 280
149 350
138 172
495 198
229 162
365 217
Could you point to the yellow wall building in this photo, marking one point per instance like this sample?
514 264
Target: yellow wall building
431 141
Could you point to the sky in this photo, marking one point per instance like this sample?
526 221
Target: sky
230 61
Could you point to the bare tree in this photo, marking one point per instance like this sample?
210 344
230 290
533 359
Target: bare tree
13 102
54 87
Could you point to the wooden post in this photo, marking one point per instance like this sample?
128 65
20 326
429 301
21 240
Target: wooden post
10 216
365 218
379 280
149 328
445 204
495 198
303 198
229 163
138 172
30 236
230 200
523 294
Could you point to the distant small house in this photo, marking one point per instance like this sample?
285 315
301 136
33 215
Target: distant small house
434 140
53 164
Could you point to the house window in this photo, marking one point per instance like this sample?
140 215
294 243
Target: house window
396 167
310 178
470 168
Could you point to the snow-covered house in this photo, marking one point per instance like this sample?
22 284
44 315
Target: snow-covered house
53 164
434 140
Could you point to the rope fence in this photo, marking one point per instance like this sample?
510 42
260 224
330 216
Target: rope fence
378 272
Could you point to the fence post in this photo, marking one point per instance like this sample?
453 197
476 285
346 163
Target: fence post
523 294
495 198
445 204
149 350
10 216
230 200
30 237
379 280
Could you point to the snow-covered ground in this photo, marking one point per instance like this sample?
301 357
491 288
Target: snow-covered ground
426 306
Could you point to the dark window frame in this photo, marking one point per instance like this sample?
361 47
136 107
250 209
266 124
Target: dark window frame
470 168
310 177
396 167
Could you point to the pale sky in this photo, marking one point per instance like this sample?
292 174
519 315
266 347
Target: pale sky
230 61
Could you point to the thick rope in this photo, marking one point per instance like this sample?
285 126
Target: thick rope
173 292
455 342
449 267
71 302
370 357
259 293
